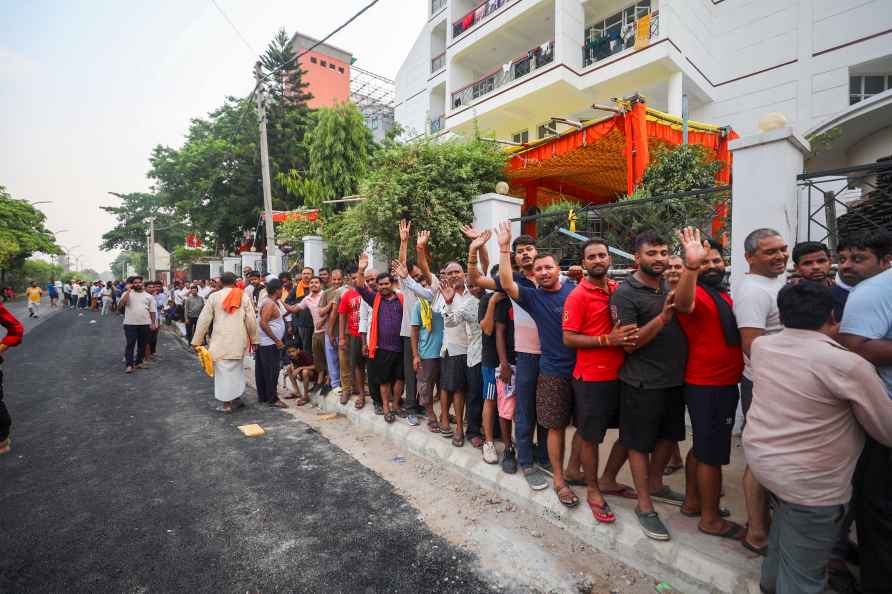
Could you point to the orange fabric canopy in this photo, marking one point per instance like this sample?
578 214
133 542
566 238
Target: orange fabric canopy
604 159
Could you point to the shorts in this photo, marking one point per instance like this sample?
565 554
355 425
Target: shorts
354 352
489 382
319 352
746 395
454 373
596 408
386 367
427 378
505 397
554 401
712 410
646 416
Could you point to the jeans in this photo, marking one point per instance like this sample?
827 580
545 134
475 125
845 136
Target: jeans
137 336
106 304
799 545
305 337
190 328
474 401
266 373
411 401
331 359
873 516
152 341
5 419
525 413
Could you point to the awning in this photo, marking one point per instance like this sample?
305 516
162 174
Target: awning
608 157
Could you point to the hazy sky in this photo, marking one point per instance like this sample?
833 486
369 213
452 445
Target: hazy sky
88 88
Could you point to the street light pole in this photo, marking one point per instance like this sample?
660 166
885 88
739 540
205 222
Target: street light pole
272 253
151 221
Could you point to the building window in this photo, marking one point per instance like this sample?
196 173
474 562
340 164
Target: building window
615 33
323 63
332 66
313 60
341 69
544 132
521 137
865 86
373 123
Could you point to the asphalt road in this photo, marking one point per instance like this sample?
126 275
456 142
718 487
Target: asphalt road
133 483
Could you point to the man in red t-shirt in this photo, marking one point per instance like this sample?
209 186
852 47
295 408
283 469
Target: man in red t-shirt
350 341
714 367
588 327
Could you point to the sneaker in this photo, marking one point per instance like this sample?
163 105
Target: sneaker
490 455
536 479
412 420
379 410
402 413
652 525
546 468
667 495
129 369
509 461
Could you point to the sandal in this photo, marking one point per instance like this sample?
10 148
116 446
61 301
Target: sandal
566 496
345 398
458 440
433 426
290 396
389 417
624 491
601 513
761 551
303 401
732 531
724 512
672 468
446 431
360 402
278 404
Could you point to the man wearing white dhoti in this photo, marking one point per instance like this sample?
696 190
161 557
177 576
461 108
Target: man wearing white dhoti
235 329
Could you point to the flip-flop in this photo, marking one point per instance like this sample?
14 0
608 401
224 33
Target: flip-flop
624 492
724 512
290 397
570 501
672 468
732 531
458 440
576 482
446 432
433 426
279 404
601 513
360 403
761 551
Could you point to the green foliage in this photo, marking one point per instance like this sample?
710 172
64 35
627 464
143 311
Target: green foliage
184 256
430 183
33 270
129 232
139 261
672 170
340 147
22 232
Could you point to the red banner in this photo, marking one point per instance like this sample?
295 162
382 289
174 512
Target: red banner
296 215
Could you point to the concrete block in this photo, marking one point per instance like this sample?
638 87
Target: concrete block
490 473
719 575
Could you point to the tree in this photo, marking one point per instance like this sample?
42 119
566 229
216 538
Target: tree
22 233
36 270
672 170
129 233
430 183
340 147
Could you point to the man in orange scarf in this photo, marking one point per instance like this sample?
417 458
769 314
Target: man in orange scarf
385 342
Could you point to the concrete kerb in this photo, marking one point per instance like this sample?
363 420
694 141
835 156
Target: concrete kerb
719 568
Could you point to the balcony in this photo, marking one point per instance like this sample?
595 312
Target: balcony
476 16
438 62
634 26
437 6
438 123
534 59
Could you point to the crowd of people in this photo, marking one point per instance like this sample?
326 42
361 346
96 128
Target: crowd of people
518 352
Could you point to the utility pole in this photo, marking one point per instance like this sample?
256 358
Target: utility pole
151 248
272 253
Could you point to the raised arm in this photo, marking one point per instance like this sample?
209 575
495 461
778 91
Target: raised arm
505 274
422 256
405 230
478 240
407 283
695 251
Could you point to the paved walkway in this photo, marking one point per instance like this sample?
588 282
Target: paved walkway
133 483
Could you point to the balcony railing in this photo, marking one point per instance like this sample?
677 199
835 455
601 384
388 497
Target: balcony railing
438 62
517 68
437 6
438 123
476 16
600 45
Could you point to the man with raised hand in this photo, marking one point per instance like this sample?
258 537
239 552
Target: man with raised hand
714 367
554 392
651 395
589 328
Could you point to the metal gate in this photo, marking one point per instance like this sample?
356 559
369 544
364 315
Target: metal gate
838 202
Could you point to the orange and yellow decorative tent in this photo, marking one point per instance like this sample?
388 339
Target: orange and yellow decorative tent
604 159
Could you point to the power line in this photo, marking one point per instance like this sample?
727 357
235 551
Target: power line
234 28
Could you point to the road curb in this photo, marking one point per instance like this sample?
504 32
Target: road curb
691 562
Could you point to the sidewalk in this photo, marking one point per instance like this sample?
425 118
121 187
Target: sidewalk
691 561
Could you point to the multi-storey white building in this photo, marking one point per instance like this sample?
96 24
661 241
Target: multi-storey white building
509 66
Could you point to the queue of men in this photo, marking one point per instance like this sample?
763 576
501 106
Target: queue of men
520 354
